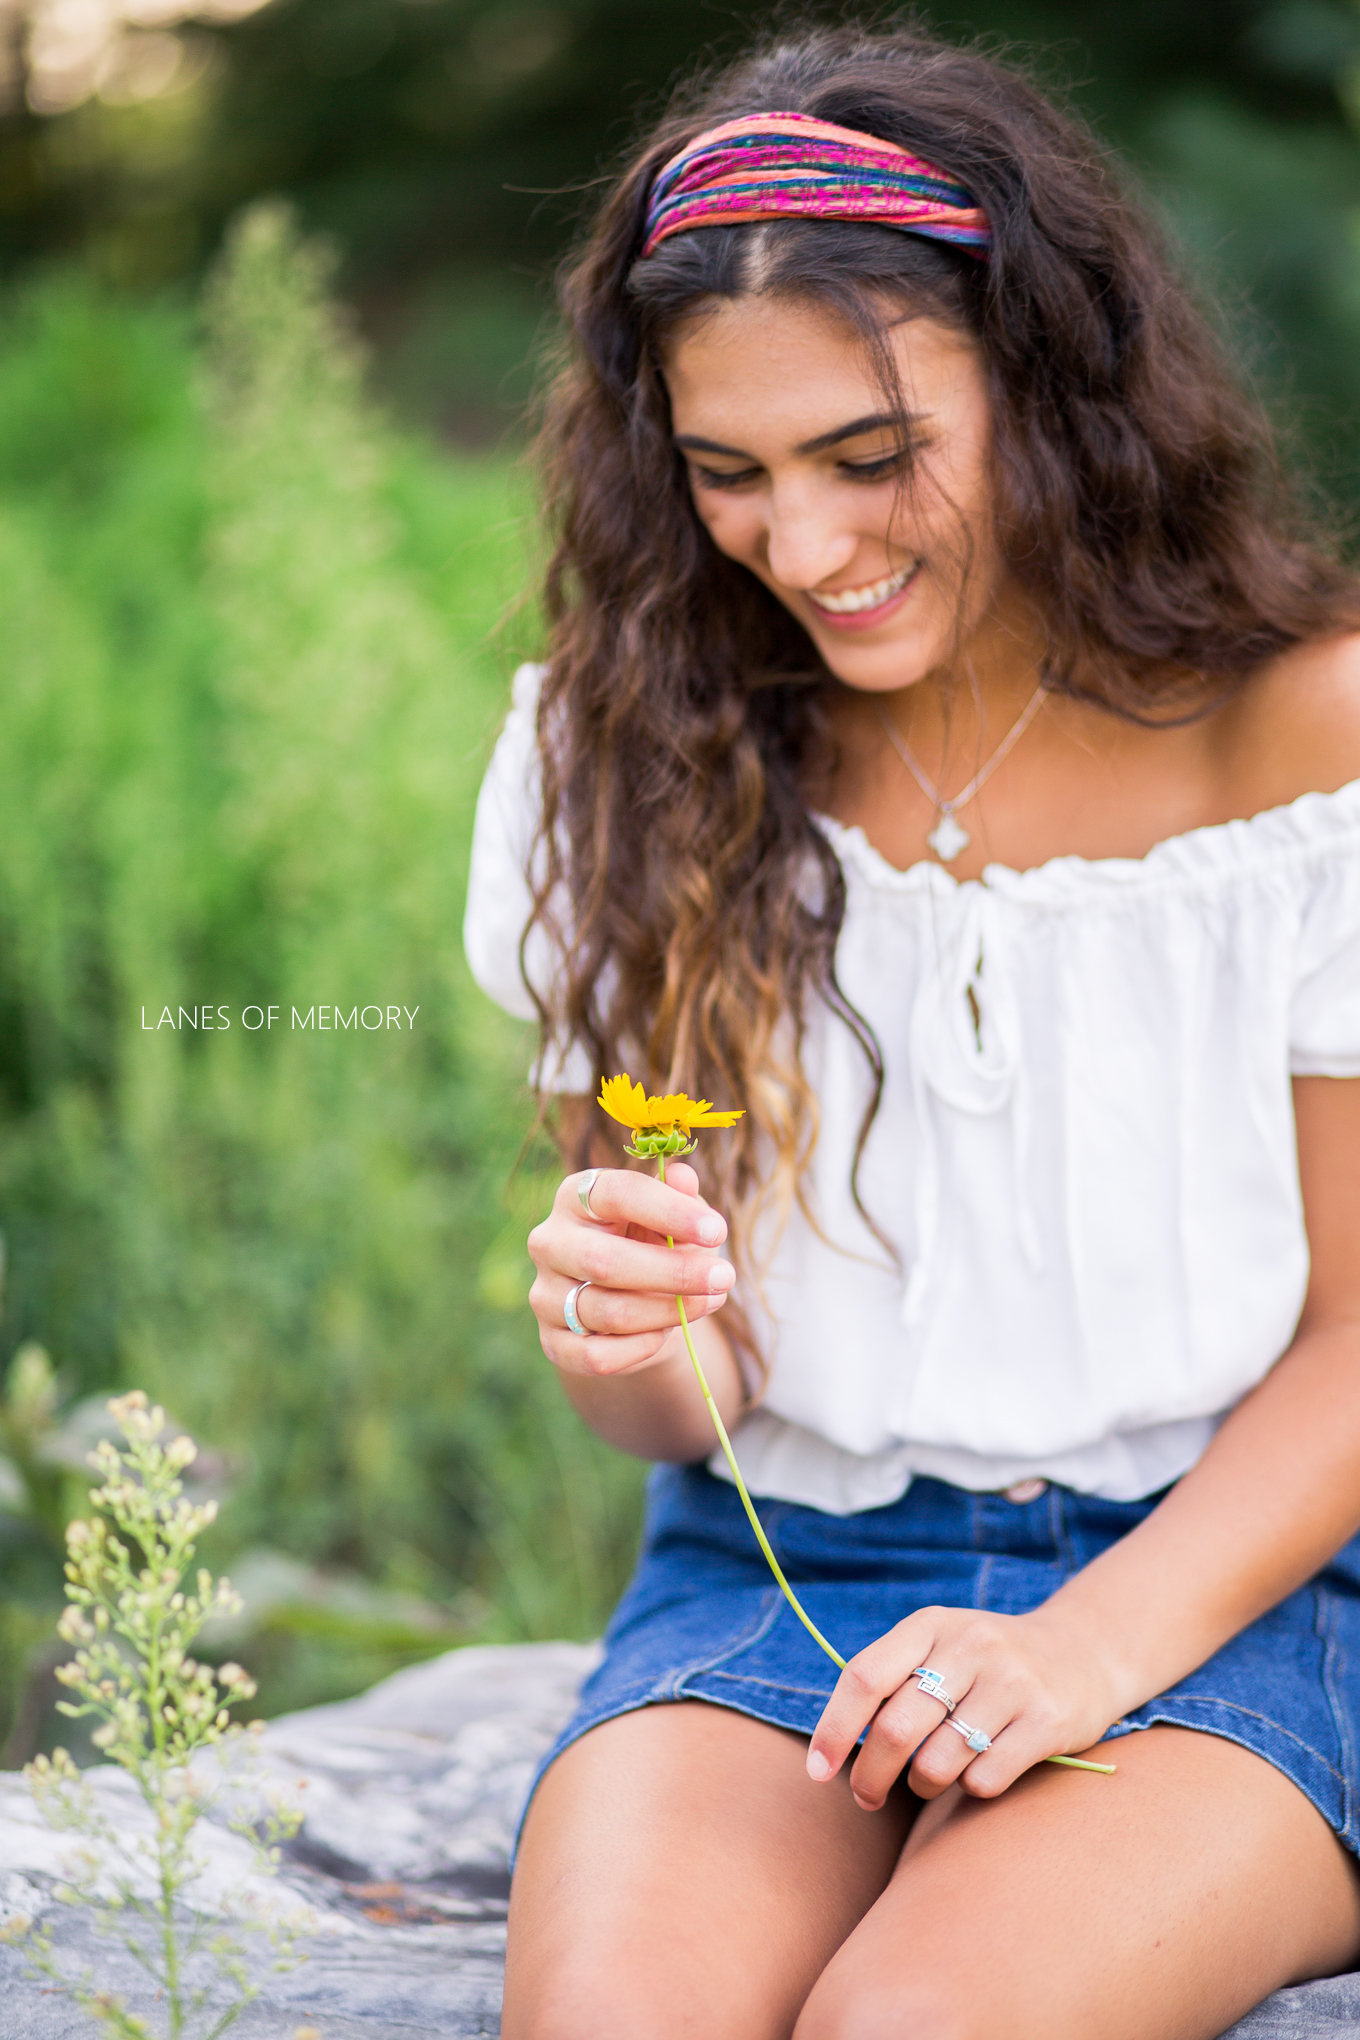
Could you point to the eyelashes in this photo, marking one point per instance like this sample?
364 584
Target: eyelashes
711 478
880 470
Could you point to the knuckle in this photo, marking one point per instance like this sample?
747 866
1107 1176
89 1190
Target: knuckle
598 1355
988 1785
860 1677
937 1767
895 1732
596 1258
984 1636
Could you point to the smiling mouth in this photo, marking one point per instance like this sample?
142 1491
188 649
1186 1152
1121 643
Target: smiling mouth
853 601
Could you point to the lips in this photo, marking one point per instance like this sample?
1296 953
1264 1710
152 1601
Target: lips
857 601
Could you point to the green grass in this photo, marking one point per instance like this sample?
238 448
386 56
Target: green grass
254 674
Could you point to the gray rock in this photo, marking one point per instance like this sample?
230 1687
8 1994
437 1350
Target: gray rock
412 1793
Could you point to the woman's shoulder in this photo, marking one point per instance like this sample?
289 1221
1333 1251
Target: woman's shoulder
1295 728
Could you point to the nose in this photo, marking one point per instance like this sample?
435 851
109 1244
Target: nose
805 544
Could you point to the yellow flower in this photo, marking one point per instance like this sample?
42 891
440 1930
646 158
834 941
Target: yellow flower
629 1104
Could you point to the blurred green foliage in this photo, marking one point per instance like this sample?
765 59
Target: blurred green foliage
251 686
451 145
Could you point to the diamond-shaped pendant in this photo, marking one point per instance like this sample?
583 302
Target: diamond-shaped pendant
948 838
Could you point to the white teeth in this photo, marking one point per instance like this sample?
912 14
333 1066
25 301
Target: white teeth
849 600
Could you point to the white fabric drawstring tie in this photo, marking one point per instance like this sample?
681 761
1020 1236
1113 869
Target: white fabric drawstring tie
972 1064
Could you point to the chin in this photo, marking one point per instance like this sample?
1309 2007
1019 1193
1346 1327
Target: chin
881 668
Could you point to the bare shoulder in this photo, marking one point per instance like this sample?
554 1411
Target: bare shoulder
1296 727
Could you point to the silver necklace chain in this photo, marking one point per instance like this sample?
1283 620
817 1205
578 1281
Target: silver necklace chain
949 837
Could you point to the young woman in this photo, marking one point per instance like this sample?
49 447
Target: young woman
948 751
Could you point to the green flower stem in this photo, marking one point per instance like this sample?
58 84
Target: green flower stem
762 1540
1072 1763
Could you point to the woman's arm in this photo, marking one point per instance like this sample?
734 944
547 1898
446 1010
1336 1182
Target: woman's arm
660 1414
1275 1496
630 1377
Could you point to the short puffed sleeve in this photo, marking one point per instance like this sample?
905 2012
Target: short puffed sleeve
1324 1032
499 899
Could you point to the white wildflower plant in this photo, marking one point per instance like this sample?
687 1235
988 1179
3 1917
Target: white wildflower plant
133 1625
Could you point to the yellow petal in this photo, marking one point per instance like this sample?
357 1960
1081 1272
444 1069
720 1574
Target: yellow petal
625 1101
675 1109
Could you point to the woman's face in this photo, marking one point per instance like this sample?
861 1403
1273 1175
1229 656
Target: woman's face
880 543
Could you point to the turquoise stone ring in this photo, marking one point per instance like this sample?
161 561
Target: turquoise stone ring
974 1737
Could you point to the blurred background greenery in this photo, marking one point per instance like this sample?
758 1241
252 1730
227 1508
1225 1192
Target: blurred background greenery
273 275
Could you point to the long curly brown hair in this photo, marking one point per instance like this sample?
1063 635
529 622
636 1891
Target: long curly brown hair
693 901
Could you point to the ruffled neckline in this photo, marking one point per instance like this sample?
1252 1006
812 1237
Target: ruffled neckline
1216 850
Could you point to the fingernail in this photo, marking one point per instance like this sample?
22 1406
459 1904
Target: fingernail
865 1805
721 1277
711 1231
817 1766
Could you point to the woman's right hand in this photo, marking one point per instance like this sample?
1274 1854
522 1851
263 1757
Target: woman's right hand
619 1248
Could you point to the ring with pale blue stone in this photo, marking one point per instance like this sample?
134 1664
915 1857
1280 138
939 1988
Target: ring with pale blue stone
974 1737
932 1685
570 1313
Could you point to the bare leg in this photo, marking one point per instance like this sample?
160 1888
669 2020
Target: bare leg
1160 1904
680 1875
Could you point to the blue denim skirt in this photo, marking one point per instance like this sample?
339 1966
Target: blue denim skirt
703 1620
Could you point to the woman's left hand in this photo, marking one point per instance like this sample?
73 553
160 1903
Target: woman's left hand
1033 1683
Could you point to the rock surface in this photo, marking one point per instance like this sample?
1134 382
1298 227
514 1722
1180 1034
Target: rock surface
411 1798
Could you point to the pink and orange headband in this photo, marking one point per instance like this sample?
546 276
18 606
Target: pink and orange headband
773 166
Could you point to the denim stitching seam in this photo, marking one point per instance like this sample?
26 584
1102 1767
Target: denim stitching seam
1251 1714
772 1602
1062 1538
1333 1668
774 1685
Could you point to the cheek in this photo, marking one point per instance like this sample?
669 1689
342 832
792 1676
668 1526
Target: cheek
957 518
967 480
735 526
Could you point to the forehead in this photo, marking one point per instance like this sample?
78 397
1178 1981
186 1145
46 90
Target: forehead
758 368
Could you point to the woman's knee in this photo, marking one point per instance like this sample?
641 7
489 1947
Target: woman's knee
902 2007
589 2006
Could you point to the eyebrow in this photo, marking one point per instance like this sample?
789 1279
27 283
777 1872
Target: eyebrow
875 422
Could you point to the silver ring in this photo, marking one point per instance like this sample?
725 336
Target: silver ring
583 1190
569 1310
974 1737
932 1685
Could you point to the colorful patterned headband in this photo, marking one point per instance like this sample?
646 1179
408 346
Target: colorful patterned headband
774 166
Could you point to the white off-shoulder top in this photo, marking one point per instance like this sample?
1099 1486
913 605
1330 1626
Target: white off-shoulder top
1093 1190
